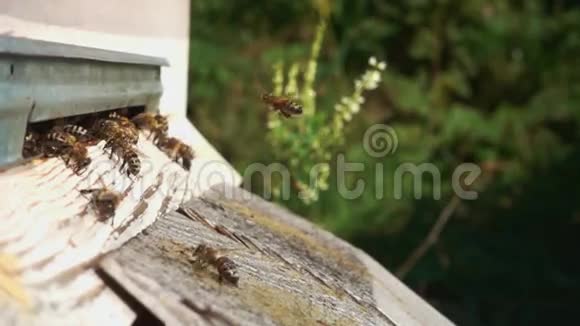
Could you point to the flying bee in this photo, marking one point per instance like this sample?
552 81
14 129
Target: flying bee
176 150
78 154
283 104
154 122
104 201
226 267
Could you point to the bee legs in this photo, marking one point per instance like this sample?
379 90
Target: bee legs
79 170
158 135
109 146
186 163
199 263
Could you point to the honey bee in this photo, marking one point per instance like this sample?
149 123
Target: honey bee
104 201
112 131
131 163
32 144
79 132
78 154
226 267
284 105
115 116
105 129
176 150
155 123
128 128
57 142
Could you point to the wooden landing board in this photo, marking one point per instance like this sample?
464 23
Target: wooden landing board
50 237
291 272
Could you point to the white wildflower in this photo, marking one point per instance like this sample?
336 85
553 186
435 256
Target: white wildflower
373 61
347 116
354 107
272 124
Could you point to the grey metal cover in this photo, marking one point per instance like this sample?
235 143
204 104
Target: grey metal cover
19 46
42 81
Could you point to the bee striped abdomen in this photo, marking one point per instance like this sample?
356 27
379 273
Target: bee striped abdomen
61 137
114 115
75 130
286 106
176 150
130 161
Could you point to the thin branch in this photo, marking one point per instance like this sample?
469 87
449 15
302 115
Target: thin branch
431 238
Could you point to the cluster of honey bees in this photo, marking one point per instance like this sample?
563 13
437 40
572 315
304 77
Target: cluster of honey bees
174 148
120 134
65 141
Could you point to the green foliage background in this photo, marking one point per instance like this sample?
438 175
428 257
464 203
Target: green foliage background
494 82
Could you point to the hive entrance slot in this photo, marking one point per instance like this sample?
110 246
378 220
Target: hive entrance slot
36 133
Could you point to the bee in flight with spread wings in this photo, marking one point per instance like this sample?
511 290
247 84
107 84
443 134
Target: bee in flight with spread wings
285 105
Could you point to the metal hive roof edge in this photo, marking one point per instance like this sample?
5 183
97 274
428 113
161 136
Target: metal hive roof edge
37 48
43 81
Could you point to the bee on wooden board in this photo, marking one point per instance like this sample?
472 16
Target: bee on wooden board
80 133
226 267
128 127
77 155
283 104
176 150
57 141
32 144
131 164
157 124
104 201
107 130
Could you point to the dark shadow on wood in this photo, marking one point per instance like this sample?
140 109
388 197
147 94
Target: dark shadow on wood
144 315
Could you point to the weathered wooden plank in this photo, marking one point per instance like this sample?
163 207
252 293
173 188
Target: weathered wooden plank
291 272
50 237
